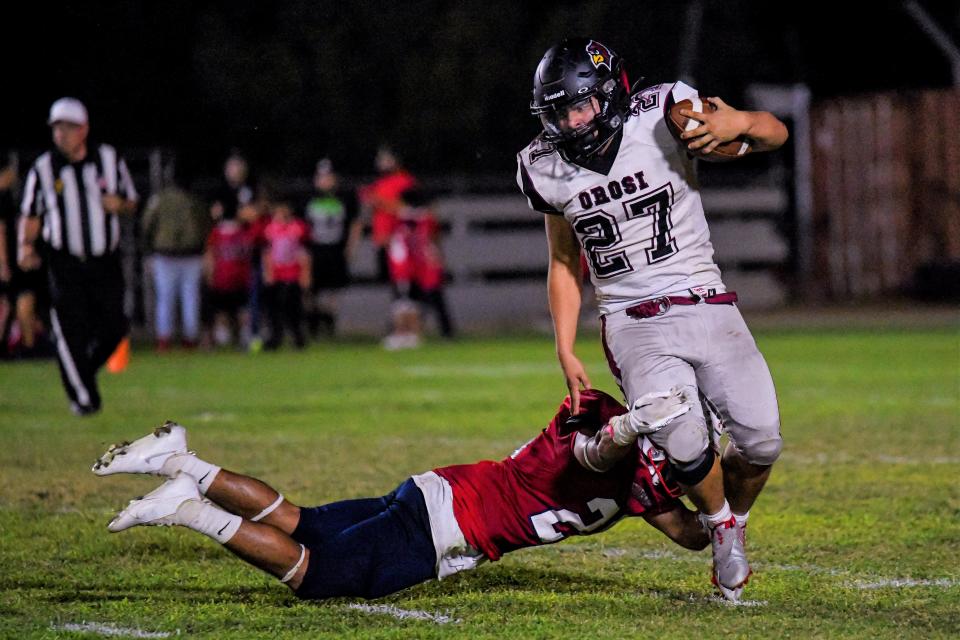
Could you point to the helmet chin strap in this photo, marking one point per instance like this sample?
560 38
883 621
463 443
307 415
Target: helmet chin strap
600 149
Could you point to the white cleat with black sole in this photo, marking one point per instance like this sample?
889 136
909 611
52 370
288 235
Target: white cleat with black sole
144 455
731 571
158 507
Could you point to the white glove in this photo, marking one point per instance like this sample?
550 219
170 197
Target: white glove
650 413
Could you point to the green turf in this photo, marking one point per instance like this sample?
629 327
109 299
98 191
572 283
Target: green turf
851 503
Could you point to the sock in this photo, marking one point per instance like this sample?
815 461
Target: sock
742 518
202 472
720 516
209 520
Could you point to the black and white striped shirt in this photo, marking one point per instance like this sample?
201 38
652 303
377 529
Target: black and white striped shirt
69 199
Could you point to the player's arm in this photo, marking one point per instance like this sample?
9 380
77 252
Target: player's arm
765 131
601 451
598 452
563 291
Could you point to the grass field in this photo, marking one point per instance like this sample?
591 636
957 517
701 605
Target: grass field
857 534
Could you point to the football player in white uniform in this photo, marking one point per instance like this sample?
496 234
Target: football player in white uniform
614 184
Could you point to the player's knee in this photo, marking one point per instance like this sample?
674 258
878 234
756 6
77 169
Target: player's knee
687 445
763 452
686 440
692 473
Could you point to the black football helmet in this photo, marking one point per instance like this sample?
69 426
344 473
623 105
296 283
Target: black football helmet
570 73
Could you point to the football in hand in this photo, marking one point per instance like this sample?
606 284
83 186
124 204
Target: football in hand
678 124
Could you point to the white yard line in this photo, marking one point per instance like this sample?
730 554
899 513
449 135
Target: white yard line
934 460
713 599
109 630
738 603
405 614
899 583
867 582
479 370
211 416
844 458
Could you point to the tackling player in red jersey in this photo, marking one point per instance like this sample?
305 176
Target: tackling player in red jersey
579 476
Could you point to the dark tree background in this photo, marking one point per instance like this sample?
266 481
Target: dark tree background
446 82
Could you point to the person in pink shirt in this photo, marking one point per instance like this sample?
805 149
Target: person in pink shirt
286 273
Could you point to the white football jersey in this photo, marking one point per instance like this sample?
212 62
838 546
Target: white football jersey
641 225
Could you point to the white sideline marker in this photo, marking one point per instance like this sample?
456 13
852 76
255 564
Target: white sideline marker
405 614
111 631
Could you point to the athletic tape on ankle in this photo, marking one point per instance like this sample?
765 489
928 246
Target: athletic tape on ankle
296 567
263 514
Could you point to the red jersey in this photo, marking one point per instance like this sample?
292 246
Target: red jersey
285 246
384 196
232 246
541 494
413 253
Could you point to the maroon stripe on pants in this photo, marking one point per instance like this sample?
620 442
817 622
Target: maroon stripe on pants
614 369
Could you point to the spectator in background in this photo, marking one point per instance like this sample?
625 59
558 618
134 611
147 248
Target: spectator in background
286 274
382 200
175 225
22 293
8 248
416 271
228 272
335 231
236 195
237 198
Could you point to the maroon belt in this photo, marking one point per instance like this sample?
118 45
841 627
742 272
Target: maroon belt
659 306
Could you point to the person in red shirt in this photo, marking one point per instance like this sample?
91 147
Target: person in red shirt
381 201
581 475
416 271
286 273
227 264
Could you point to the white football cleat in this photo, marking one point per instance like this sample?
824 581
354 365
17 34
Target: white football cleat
733 595
731 571
158 507
145 455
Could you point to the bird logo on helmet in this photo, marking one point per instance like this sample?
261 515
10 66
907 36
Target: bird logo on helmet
600 56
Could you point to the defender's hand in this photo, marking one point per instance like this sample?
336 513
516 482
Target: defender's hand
650 412
576 377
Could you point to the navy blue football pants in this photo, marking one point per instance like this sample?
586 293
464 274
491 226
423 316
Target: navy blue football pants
367 548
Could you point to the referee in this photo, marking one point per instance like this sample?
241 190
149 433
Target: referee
68 220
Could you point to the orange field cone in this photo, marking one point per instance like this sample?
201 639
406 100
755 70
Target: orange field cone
120 358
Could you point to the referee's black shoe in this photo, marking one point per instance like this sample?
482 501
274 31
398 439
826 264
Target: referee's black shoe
81 410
